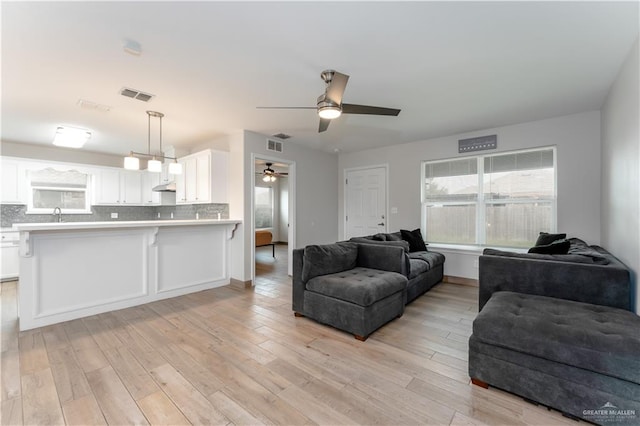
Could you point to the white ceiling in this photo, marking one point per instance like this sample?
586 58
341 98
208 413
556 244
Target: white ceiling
451 67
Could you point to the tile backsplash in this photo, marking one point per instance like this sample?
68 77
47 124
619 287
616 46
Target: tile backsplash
16 213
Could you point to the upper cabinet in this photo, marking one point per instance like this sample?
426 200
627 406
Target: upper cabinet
149 196
13 183
119 187
204 178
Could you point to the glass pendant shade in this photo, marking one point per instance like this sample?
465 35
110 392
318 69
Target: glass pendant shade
154 166
131 163
265 178
175 168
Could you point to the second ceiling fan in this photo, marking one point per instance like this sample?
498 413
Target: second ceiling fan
330 105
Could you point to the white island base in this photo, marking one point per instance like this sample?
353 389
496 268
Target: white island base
73 270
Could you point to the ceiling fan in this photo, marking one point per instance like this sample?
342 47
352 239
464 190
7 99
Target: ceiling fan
269 175
330 106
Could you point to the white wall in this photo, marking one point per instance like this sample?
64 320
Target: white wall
65 155
316 188
316 197
621 168
577 138
283 217
240 270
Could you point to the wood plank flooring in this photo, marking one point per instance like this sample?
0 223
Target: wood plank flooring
230 356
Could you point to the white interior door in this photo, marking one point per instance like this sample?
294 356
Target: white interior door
366 202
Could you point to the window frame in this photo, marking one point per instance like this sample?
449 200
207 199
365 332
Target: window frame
481 203
273 206
31 209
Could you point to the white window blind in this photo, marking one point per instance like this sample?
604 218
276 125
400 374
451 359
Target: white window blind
501 200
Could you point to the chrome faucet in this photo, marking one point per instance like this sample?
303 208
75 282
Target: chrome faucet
58 211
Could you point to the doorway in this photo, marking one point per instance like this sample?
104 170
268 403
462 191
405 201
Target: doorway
365 201
272 219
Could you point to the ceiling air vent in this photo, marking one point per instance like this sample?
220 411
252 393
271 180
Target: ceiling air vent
282 136
83 103
136 94
273 145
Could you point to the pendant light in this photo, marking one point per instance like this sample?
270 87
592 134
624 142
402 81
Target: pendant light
154 165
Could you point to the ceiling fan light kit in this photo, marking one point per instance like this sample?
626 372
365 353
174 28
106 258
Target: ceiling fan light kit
270 175
329 105
132 161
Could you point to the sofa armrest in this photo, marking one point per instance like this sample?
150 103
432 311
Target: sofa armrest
383 257
605 285
298 286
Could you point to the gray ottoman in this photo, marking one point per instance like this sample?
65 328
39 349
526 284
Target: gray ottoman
581 359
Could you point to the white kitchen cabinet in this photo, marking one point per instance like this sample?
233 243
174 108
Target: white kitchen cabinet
13 183
204 178
121 187
9 259
149 196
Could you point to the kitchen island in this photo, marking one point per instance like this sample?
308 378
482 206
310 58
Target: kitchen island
75 269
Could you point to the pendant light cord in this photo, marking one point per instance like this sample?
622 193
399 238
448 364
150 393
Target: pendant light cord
148 133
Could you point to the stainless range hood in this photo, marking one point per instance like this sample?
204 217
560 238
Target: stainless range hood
167 187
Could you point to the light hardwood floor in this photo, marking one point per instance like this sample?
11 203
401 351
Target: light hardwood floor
229 356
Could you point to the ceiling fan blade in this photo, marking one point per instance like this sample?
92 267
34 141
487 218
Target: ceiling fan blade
324 125
336 87
284 107
367 109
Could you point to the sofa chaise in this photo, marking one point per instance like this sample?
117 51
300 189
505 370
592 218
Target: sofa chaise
354 287
558 332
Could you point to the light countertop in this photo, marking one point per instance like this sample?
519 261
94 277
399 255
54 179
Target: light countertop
60 226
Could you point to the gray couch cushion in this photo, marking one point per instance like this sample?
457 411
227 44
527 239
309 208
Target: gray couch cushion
417 266
432 258
328 259
394 236
362 286
369 240
593 337
570 257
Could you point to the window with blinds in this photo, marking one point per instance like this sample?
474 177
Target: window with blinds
50 188
264 207
501 200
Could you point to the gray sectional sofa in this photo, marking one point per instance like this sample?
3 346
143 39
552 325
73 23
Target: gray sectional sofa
424 268
586 273
557 331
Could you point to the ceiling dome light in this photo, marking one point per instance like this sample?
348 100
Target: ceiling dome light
329 112
71 137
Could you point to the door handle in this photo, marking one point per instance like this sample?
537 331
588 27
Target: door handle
381 224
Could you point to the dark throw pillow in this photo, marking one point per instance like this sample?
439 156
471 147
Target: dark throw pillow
414 238
556 247
545 238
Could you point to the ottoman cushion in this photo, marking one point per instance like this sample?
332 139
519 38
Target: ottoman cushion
362 286
593 337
